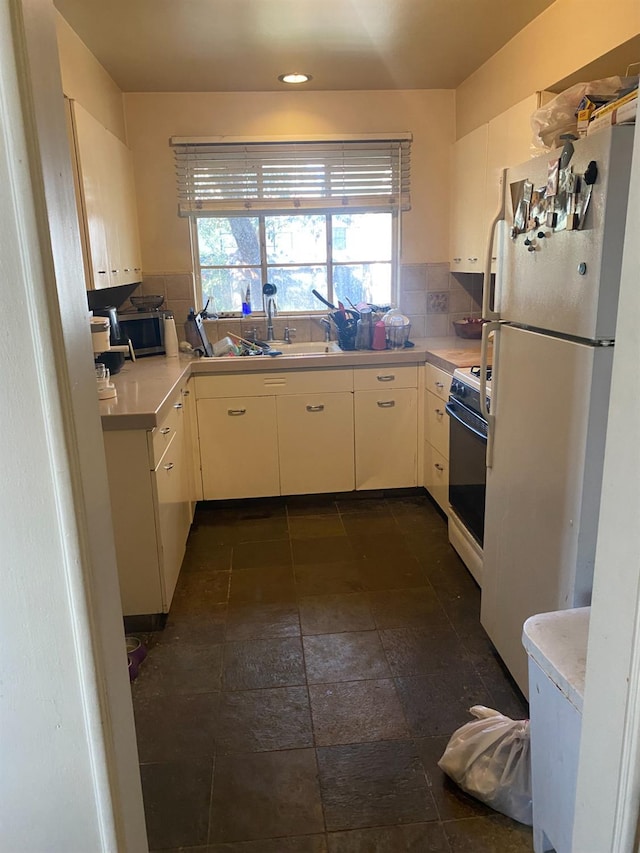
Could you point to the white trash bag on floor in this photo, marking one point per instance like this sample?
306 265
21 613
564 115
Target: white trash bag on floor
490 759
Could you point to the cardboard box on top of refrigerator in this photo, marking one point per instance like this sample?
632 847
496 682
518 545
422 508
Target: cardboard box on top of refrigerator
622 111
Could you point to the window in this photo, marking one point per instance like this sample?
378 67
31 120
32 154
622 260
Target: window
342 256
319 215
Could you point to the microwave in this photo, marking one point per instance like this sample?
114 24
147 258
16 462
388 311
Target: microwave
145 330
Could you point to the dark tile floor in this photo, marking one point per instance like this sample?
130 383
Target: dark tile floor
317 657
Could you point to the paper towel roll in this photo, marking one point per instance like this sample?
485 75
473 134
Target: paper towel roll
170 337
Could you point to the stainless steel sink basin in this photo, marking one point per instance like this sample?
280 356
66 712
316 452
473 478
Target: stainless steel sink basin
306 347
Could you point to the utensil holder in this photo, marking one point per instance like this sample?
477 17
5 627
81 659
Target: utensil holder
347 337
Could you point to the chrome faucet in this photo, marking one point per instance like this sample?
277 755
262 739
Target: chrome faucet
287 334
327 328
272 311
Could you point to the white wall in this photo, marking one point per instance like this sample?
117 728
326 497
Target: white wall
86 81
609 774
568 35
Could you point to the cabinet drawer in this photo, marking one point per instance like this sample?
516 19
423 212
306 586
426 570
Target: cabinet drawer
273 384
436 423
385 376
160 437
438 382
436 476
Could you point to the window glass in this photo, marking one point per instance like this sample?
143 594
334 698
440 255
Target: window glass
362 283
227 287
362 237
345 256
226 241
295 285
296 239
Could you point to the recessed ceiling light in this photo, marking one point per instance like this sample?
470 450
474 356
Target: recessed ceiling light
295 78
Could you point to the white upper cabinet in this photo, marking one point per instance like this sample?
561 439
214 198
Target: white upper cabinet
107 202
468 226
478 159
509 144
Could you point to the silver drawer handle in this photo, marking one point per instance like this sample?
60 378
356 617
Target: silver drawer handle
168 466
165 430
235 412
389 377
177 405
439 384
438 467
473 260
386 404
457 260
319 408
439 413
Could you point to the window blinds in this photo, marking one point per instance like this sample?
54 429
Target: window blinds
260 176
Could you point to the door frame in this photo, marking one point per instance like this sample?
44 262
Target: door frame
69 735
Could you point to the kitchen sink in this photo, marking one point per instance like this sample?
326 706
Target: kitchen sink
306 347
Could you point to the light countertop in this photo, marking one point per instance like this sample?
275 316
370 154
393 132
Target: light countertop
146 387
557 642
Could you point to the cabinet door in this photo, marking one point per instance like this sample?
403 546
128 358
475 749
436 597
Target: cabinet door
108 202
125 216
315 438
386 428
468 225
436 476
508 144
174 516
93 157
436 423
238 447
191 454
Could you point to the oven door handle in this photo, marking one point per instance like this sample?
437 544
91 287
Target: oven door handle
453 414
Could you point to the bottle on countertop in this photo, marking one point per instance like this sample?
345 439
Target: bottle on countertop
379 336
170 337
246 303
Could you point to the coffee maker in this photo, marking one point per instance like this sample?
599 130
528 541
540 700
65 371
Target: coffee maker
113 359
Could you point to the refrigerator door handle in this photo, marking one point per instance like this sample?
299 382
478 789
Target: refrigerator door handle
487 328
487 312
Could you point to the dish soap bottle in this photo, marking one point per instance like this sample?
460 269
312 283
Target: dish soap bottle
246 304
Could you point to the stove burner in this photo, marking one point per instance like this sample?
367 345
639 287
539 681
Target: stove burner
475 371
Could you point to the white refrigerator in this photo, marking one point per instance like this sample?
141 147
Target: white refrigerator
556 296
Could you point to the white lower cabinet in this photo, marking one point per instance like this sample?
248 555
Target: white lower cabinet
238 447
151 509
436 476
173 512
315 440
306 431
436 435
386 438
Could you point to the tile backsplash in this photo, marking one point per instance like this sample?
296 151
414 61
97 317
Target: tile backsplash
177 288
429 294
433 297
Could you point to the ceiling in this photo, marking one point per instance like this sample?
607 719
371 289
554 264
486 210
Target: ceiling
243 45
